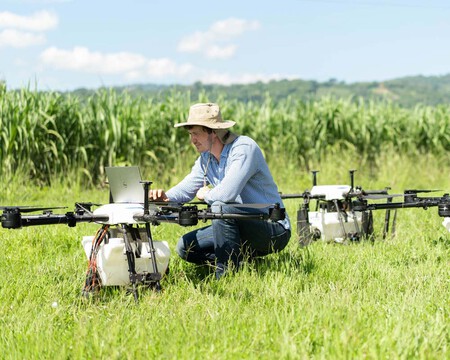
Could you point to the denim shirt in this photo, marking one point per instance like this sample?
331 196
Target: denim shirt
241 176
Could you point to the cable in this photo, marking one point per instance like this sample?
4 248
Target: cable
92 282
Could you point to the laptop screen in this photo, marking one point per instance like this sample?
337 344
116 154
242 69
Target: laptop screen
124 184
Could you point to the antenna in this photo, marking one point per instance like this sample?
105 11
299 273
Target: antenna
352 179
314 172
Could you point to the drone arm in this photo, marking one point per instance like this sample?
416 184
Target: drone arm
16 220
443 204
292 196
357 206
212 216
155 219
190 215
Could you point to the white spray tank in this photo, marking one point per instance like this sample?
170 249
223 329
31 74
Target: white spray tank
332 225
332 220
446 223
112 264
111 259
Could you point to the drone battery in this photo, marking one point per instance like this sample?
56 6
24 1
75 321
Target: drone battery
112 264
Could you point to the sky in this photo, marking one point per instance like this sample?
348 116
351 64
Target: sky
64 45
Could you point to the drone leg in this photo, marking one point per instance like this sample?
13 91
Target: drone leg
367 223
156 275
387 219
394 222
358 230
131 263
153 251
341 221
303 226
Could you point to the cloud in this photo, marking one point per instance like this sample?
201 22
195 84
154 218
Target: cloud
232 27
218 52
164 66
193 43
82 59
23 31
209 43
39 21
135 67
20 39
129 65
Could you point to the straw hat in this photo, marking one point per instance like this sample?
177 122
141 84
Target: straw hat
207 115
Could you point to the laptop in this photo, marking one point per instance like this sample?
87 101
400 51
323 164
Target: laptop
124 184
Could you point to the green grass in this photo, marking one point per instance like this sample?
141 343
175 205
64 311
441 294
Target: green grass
382 299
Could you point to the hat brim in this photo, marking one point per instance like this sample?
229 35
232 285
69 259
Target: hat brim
226 124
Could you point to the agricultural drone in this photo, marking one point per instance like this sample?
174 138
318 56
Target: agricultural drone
344 212
123 252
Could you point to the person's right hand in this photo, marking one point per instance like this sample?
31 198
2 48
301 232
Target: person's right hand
157 195
202 192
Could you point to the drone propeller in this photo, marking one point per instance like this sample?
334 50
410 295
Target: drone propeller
380 196
415 191
88 204
406 194
28 209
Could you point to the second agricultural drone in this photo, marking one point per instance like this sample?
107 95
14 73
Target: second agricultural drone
345 213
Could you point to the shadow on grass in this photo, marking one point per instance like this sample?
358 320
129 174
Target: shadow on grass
289 262
125 294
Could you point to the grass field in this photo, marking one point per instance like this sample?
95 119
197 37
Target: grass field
375 300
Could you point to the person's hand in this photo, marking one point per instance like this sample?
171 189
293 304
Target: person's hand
202 192
157 195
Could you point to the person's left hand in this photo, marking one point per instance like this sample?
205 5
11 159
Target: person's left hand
202 192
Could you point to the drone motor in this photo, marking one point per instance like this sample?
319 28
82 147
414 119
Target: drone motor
11 218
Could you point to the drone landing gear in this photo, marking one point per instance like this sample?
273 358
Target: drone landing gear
332 222
124 256
387 221
151 280
367 224
306 235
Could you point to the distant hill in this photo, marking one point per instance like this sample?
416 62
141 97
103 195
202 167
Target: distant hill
406 92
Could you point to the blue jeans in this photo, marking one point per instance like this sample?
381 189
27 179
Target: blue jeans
230 240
